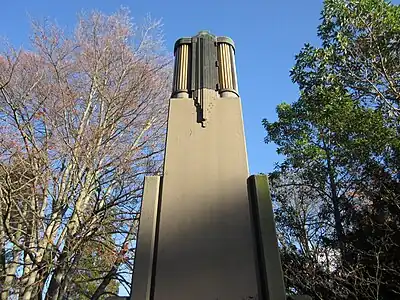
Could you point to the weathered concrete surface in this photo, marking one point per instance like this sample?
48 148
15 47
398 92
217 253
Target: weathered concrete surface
205 246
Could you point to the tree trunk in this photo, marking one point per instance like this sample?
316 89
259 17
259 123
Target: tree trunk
30 287
106 281
56 280
9 278
335 202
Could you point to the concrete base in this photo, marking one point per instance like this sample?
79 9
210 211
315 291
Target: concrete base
269 269
205 246
143 275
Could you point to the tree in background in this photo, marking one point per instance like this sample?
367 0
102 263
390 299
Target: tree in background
82 121
337 191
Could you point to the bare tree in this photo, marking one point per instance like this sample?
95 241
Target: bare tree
313 264
82 120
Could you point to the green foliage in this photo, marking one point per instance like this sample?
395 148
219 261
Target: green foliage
336 193
361 50
328 119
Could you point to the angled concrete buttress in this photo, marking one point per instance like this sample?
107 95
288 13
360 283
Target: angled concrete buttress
205 232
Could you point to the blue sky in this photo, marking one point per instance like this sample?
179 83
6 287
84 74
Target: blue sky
267 35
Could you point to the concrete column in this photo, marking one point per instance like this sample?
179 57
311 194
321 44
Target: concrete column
145 258
205 246
269 270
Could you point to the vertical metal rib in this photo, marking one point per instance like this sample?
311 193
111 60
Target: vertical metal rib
233 69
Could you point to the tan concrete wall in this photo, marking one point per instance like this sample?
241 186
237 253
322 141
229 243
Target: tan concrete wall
205 249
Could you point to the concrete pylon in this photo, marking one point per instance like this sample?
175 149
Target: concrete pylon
201 236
